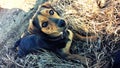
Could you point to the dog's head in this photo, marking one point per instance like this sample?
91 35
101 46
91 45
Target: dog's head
48 21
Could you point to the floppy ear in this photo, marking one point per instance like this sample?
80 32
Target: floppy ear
32 28
46 5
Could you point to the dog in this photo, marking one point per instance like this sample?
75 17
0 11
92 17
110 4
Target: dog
47 30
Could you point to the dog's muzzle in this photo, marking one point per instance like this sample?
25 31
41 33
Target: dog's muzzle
59 22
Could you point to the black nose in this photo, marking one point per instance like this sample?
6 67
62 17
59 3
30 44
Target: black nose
61 23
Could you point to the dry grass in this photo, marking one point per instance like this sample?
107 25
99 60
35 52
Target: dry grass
90 17
80 15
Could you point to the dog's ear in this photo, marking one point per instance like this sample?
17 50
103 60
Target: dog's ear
32 28
46 5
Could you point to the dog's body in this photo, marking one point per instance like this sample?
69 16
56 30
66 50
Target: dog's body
34 42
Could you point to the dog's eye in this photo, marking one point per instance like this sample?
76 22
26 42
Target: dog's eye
45 24
51 12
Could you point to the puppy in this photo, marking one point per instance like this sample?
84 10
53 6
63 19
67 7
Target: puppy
47 30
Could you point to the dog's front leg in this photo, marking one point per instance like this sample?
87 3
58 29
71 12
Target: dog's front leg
66 50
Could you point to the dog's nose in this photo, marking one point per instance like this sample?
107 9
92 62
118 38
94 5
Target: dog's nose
61 23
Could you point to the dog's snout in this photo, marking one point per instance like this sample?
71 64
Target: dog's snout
61 23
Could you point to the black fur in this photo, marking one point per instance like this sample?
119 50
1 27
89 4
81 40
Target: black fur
33 43
116 58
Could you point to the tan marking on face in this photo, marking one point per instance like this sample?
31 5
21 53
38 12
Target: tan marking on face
51 29
45 12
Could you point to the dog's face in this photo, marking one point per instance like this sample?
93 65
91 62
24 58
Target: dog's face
49 21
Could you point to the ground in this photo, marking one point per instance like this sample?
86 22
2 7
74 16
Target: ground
79 14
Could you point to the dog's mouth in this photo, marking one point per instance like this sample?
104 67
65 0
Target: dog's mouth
56 38
56 34
60 32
